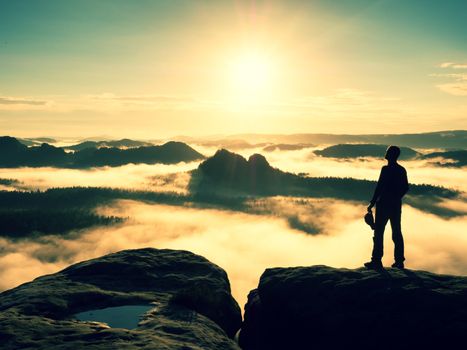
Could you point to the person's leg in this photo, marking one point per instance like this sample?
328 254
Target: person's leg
397 238
381 219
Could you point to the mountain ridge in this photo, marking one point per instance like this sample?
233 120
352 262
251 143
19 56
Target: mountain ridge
15 154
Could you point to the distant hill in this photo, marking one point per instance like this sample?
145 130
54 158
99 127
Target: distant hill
363 150
123 143
455 159
43 139
287 147
168 153
454 139
231 144
15 154
37 141
11 144
9 182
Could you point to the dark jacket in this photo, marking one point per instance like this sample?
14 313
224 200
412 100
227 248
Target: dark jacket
392 185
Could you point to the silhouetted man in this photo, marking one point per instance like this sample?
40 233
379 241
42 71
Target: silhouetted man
392 186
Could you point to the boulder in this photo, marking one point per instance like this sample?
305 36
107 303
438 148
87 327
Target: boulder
193 306
320 307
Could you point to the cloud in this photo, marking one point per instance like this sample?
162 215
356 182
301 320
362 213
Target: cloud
453 65
339 103
20 101
457 89
154 177
19 264
109 103
143 97
151 101
309 215
243 244
348 110
455 76
341 100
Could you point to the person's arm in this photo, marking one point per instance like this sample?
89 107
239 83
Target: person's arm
378 189
405 184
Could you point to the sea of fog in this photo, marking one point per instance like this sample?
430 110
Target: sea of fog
241 243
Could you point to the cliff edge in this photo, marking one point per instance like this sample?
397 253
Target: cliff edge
320 307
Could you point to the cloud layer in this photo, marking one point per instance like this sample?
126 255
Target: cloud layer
20 101
243 244
453 65
459 87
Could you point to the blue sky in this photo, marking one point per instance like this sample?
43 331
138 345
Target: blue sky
166 63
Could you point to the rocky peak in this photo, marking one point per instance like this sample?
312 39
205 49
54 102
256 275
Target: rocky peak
320 307
11 144
193 306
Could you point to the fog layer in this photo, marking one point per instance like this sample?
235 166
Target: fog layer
243 244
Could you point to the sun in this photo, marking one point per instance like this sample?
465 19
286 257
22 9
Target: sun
251 72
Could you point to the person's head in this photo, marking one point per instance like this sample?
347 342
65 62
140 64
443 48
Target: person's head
392 153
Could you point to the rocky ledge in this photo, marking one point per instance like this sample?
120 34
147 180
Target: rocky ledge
320 307
193 306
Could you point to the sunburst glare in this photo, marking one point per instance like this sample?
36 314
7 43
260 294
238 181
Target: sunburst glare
252 79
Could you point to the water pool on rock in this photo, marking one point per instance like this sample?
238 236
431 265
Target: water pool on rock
127 316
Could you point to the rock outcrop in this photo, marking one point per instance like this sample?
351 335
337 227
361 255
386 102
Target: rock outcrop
231 171
320 307
193 305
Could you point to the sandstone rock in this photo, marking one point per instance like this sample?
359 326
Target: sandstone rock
193 305
321 307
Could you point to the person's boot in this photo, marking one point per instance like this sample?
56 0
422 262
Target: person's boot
373 265
398 265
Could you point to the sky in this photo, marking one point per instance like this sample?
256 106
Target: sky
156 69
